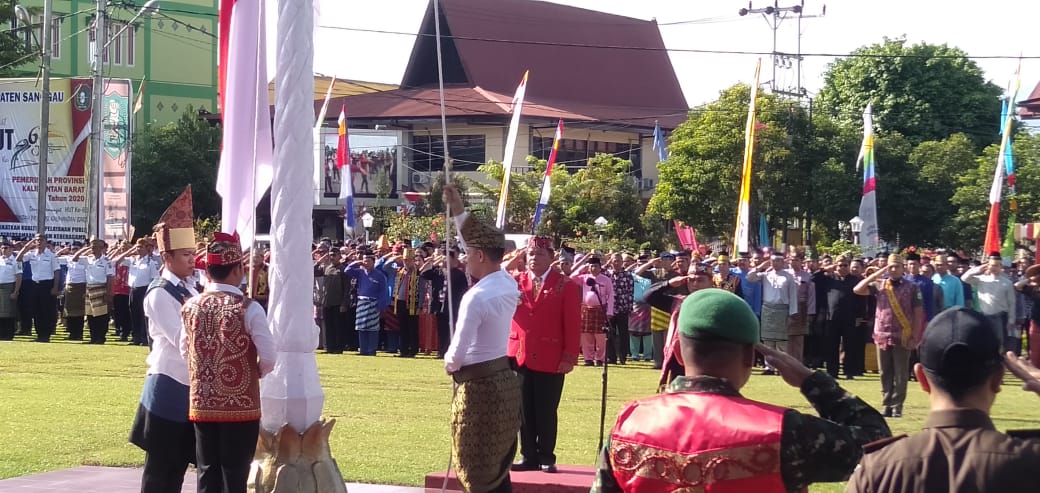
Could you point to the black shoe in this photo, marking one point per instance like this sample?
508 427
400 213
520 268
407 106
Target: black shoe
768 371
888 412
588 363
524 466
549 468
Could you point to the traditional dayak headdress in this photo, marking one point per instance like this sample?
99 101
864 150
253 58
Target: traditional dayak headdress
175 229
225 249
476 234
542 242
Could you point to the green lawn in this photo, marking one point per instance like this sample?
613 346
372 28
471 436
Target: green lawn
66 404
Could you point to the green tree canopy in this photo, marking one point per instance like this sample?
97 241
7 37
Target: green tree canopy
168 158
922 91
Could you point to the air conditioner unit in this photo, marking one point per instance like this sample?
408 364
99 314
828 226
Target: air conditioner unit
420 178
648 184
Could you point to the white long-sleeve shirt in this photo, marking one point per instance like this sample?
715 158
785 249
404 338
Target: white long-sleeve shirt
485 317
255 325
996 293
806 290
778 288
165 327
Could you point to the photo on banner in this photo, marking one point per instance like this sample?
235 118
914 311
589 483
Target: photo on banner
115 159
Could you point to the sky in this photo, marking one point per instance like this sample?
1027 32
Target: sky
994 27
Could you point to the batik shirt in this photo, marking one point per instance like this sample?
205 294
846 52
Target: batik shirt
624 286
812 449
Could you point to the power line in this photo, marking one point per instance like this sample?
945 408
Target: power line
685 50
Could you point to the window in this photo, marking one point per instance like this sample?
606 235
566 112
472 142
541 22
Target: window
467 152
131 46
56 36
574 154
107 35
117 44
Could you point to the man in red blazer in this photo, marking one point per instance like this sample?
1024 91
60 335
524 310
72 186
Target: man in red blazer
544 344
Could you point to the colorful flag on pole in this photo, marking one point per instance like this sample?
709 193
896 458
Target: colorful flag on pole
507 161
763 232
741 235
319 146
1005 164
246 157
869 239
659 144
543 198
687 236
346 180
140 97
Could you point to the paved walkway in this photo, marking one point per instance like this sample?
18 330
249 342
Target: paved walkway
93 479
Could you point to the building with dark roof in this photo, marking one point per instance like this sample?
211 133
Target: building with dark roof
607 76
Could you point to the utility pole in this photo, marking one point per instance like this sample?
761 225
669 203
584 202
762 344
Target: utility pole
94 226
774 16
45 119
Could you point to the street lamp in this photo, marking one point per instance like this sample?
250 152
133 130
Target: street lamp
601 224
366 221
857 226
94 219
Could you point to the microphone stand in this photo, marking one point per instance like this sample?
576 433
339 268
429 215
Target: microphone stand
591 282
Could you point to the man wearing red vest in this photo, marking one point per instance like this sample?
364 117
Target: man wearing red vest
228 347
703 435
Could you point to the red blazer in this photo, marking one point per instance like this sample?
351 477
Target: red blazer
547 325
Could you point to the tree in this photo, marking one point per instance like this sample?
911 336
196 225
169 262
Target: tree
937 165
922 91
18 47
699 180
168 158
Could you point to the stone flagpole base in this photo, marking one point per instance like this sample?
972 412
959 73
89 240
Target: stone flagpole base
290 462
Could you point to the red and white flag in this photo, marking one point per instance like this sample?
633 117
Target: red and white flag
246 157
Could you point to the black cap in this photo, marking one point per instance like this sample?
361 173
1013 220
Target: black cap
913 256
594 261
744 255
994 256
684 254
960 346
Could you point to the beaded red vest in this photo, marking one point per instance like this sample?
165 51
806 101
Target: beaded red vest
222 362
691 441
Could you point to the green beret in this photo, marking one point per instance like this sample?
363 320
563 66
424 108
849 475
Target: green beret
718 313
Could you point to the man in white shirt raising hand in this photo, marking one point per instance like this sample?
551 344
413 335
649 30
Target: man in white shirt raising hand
486 406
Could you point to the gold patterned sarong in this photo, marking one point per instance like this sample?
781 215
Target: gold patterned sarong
96 304
75 295
485 420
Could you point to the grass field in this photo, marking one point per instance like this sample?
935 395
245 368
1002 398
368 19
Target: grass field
66 404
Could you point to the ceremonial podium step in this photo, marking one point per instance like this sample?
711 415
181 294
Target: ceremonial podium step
567 479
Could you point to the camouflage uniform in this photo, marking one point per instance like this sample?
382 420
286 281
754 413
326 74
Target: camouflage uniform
812 449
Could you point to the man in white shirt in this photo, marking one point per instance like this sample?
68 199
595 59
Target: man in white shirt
161 426
229 348
44 267
99 272
996 296
10 285
779 301
144 268
75 291
486 405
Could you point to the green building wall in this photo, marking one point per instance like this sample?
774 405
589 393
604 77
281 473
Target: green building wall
175 53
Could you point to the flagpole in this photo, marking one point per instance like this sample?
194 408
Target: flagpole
740 236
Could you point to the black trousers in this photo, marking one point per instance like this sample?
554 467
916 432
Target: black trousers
540 398
98 328
334 336
443 334
843 332
138 321
121 316
350 336
74 326
224 452
618 345
45 311
409 330
164 469
7 328
25 306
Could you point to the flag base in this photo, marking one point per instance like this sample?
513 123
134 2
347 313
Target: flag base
289 461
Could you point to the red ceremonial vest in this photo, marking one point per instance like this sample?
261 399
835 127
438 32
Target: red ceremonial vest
222 363
693 441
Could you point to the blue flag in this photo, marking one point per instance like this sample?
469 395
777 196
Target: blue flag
659 144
